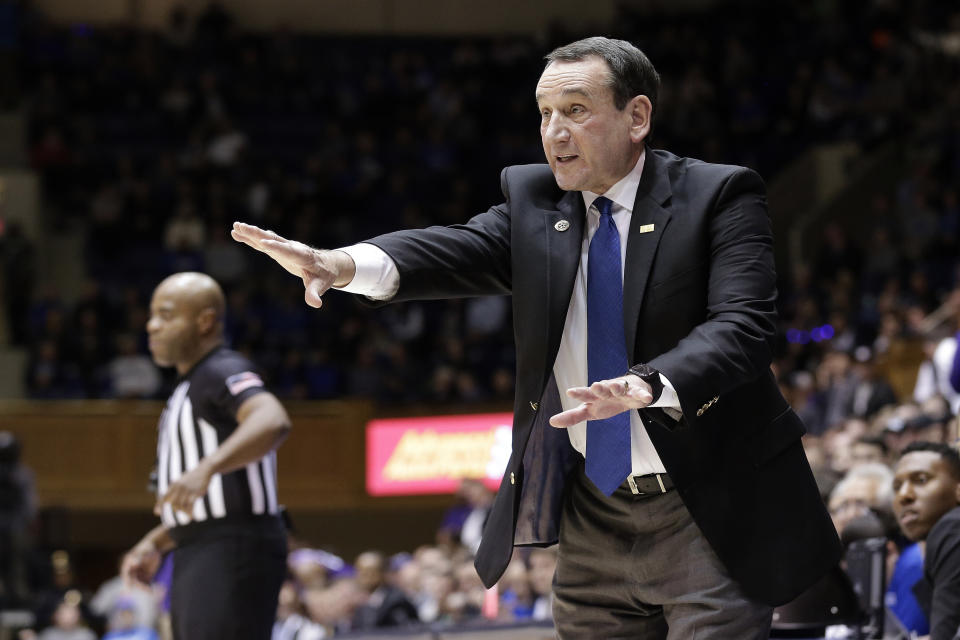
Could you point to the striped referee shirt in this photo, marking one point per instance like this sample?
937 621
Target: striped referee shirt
200 414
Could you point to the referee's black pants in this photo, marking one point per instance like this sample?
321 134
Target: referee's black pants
226 580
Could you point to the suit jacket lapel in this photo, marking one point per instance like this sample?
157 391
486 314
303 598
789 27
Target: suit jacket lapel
563 259
654 190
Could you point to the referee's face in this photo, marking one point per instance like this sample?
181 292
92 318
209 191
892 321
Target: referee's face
172 327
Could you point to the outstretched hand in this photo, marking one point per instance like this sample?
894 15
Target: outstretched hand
318 269
603 399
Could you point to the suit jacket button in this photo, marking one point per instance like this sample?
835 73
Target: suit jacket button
513 479
534 405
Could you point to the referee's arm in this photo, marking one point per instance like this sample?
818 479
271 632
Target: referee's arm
262 424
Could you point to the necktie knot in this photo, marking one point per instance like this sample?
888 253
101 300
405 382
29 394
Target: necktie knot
604 206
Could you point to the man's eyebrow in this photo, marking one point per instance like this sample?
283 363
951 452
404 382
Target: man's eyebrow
566 92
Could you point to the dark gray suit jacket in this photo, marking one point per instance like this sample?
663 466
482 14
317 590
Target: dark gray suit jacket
699 294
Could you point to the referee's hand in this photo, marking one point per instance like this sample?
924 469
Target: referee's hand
319 269
185 491
140 565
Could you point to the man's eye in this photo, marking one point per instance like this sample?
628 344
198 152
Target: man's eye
575 109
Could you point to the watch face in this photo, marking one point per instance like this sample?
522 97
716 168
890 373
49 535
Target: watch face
643 370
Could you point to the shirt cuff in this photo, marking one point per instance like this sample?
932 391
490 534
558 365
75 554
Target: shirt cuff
377 276
668 400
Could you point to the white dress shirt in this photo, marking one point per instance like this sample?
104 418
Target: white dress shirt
377 277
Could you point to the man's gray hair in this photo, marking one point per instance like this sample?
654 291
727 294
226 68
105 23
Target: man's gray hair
631 72
880 474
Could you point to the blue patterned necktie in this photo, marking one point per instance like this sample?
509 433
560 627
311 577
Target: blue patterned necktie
608 441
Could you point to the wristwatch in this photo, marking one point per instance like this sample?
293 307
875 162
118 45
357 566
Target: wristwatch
649 375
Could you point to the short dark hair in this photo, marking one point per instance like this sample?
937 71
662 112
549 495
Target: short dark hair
631 72
948 453
874 441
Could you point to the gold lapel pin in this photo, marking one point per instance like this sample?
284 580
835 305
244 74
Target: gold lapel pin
563 225
647 228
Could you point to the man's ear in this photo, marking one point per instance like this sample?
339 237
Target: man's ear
956 493
206 321
641 112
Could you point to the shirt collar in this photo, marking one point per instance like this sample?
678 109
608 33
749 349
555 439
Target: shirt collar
624 192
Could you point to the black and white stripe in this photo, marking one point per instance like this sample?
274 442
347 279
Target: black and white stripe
185 437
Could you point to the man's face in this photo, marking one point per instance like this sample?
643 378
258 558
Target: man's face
856 498
369 572
924 490
172 328
865 453
589 143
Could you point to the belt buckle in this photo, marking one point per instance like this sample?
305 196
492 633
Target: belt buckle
633 486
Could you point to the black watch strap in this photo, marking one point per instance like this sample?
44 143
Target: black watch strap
651 376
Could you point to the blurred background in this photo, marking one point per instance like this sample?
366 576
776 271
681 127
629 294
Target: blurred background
134 132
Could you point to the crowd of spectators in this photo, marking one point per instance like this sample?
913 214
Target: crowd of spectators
150 143
324 595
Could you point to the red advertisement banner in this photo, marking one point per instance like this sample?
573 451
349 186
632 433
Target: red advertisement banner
410 456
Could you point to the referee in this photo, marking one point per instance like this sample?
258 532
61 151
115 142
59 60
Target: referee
216 473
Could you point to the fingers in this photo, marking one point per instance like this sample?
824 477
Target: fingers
570 417
631 390
179 499
249 234
136 566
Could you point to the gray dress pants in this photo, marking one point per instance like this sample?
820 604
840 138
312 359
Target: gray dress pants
639 567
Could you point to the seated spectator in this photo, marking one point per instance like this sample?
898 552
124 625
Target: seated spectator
333 607
872 392
899 598
464 522
314 568
132 374
869 449
470 589
543 564
292 622
114 592
934 375
864 488
926 498
67 622
124 623
516 592
64 588
385 605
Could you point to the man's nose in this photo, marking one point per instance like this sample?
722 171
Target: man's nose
557 130
904 495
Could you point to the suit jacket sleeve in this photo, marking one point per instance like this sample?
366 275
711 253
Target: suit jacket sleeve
733 345
461 260
942 568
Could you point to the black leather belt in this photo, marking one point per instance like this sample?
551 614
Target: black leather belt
652 484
